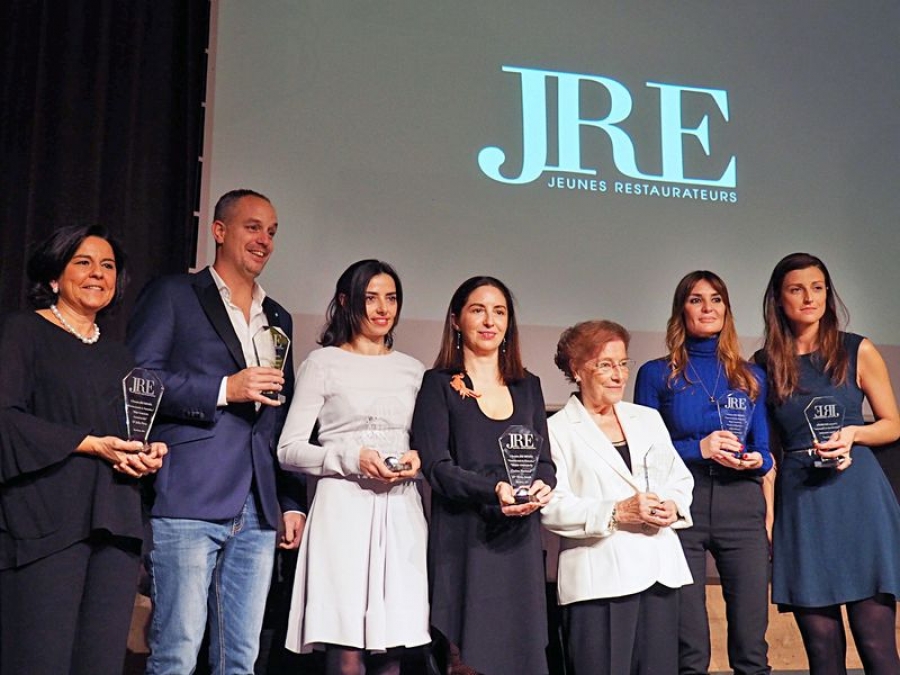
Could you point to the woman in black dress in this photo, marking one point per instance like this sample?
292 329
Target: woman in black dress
486 572
70 522
837 527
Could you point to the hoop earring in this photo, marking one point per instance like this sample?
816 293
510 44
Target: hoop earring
458 340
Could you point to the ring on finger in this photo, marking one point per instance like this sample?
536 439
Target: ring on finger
653 511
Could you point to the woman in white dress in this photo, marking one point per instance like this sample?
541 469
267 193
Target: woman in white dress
361 590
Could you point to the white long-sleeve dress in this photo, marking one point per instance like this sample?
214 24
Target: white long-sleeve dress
361 573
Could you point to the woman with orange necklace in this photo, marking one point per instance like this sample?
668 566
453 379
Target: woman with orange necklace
485 562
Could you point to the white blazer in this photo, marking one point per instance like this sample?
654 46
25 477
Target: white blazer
596 562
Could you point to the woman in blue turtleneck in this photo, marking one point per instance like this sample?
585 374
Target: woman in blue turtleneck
701 388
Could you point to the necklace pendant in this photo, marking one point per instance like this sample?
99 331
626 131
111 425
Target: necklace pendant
715 389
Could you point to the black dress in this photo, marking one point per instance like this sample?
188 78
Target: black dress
486 572
837 533
54 391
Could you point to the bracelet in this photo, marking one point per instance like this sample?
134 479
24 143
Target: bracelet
613 524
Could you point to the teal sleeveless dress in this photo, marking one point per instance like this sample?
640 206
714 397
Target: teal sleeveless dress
837 533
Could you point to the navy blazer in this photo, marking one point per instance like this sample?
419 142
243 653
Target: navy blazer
181 330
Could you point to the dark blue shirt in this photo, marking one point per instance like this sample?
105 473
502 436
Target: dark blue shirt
686 408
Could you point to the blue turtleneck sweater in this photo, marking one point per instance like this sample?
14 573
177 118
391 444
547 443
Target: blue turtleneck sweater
685 406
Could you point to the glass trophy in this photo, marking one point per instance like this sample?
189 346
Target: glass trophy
271 346
656 467
735 412
825 417
143 391
655 470
383 431
520 447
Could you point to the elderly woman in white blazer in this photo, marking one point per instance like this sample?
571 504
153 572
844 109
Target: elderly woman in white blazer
621 490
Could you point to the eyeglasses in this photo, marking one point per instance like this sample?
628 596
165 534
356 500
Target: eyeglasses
606 367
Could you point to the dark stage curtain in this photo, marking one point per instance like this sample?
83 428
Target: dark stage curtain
102 122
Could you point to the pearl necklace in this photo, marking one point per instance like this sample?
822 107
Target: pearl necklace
69 327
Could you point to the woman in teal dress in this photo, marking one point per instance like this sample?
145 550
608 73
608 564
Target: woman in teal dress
837 528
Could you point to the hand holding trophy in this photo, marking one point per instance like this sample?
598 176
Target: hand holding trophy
387 438
271 346
825 417
735 413
656 468
143 392
520 447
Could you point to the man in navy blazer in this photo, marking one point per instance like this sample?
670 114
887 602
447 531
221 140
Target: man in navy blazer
221 500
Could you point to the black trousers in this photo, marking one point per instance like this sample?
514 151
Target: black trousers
729 522
69 613
631 635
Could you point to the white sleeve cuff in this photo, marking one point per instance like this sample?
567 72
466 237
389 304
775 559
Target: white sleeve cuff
222 400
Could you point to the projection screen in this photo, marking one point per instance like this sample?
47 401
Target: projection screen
589 153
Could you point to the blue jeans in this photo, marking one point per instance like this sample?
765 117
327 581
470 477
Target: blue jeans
220 567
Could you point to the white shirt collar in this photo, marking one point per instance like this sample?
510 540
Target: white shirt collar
259 294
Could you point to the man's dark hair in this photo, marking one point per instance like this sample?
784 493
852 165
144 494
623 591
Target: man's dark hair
230 198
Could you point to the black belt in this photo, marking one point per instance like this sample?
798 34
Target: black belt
719 471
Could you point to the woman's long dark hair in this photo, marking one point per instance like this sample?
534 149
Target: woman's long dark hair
450 356
728 351
780 349
347 310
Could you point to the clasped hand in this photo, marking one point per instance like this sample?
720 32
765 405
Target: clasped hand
838 447
724 448
132 458
539 493
646 508
371 465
